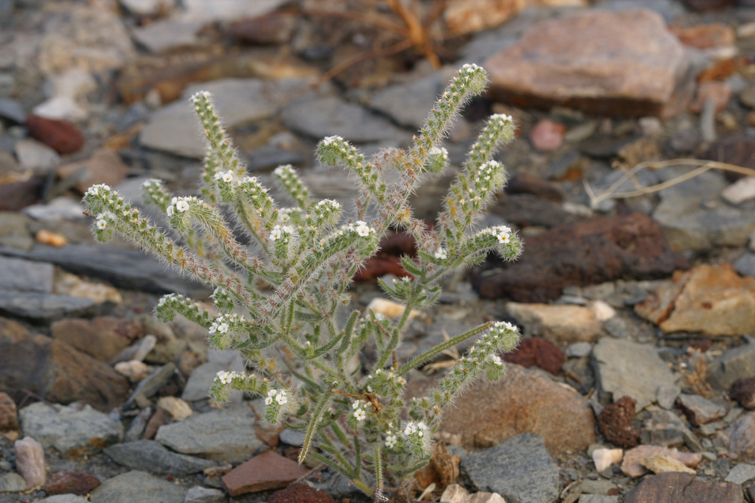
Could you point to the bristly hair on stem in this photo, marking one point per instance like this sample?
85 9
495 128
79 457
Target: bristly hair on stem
306 255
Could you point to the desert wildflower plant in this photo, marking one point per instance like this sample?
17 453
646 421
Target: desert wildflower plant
279 299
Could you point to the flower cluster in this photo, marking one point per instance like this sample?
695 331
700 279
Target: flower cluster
359 413
178 204
279 232
417 438
280 397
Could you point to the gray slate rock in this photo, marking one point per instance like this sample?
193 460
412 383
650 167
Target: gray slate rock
200 381
693 217
175 128
150 385
45 307
745 265
220 435
666 396
199 494
321 116
733 364
409 104
151 456
12 110
598 498
138 486
25 275
14 231
64 498
71 430
579 350
123 268
12 483
292 437
741 473
519 469
625 368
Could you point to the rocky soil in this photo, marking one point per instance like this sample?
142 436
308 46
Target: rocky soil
635 381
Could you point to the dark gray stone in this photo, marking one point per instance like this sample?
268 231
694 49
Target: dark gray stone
323 116
25 275
12 483
409 104
138 486
270 156
625 368
200 381
741 473
220 435
12 110
292 437
72 430
123 268
732 364
150 385
151 456
199 494
745 265
519 469
45 307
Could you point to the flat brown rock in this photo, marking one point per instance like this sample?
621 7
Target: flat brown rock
524 401
584 253
101 338
684 488
262 473
55 371
621 63
713 300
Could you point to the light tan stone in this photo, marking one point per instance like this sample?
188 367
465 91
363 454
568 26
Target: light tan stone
558 323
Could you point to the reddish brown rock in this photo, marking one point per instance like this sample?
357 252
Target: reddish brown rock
743 391
274 28
104 166
615 422
705 36
623 63
262 473
538 352
300 493
713 300
60 135
684 488
585 253
71 483
719 92
55 371
525 183
524 401
8 414
392 246
707 5
547 135
101 338
736 149
18 195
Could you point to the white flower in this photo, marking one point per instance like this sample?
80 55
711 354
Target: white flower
390 441
169 211
442 152
182 205
362 228
96 189
355 405
275 235
410 428
281 398
441 254
227 176
496 359
101 223
272 392
224 377
287 229
284 217
360 415
269 400
505 325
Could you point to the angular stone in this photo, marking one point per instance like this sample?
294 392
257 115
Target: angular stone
538 352
321 116
228 10
741 473
14 231
488 413
44 307
663 463
199 494
465 16
36 156
175 128
740 191
175 407
150 385
167 35
588 252
8 415
612 63
12 483
123 268
742 390
262 473
741 438
556 323
64 498
615 422
632 467
745 265
705 36
273 28
665 428
604 458
55 370
101 338
408 103
12 110
684 488
104 166
624 368
71 483
519 469
200 381
150 455
18 195
30 462
733 364
138 486
220 435
71 430
700 411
